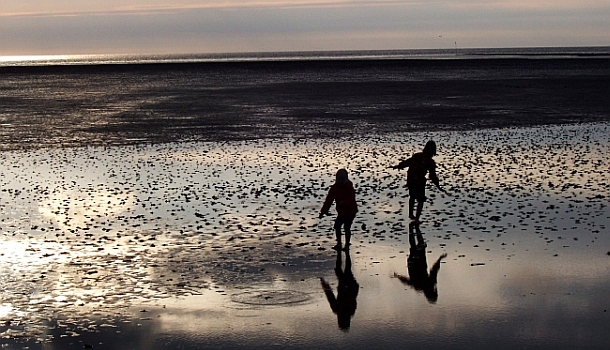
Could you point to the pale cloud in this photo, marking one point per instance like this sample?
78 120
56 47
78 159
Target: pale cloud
191 26
88 7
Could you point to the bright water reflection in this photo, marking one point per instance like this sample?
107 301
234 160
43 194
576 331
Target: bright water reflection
219 245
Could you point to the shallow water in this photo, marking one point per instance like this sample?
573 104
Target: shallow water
125 104
218 245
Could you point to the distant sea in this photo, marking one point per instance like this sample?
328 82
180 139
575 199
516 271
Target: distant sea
455 53
67 101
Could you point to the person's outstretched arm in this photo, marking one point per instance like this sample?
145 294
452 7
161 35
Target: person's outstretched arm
434 177
436 267
330 197
330 296
404 279
403 164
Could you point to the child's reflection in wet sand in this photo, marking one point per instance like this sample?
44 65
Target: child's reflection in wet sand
417 266
344 304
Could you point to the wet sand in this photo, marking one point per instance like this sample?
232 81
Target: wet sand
158 103
217 244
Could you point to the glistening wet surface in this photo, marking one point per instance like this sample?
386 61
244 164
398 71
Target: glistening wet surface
218 245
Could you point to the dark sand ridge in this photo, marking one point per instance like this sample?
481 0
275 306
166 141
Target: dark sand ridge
157 103
106 228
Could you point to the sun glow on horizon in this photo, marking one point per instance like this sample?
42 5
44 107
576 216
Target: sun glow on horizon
38 58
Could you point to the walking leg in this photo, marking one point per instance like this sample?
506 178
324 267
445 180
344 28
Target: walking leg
420 207
411 206
338 224
348 236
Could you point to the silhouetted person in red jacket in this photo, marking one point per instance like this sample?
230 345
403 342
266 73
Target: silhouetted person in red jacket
419 165
344 195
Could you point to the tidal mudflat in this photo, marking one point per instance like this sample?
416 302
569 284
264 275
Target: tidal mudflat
218 245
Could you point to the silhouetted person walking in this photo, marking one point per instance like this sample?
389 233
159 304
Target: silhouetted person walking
343 194
419 165
417 266
344 304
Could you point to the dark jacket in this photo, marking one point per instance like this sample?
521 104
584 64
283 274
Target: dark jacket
419 164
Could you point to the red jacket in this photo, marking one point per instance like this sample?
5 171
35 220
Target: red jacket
345 197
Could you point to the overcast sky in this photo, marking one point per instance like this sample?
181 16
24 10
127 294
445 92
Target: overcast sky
43 27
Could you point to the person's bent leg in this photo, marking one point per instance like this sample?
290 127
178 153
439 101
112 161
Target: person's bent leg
337 227
348 236
411 206
420 207
419 194
412 196
347 225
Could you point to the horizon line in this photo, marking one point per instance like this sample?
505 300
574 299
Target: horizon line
33 56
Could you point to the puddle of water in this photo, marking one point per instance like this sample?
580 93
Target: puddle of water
202 245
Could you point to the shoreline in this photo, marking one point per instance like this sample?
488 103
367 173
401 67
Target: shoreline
332 137
345 55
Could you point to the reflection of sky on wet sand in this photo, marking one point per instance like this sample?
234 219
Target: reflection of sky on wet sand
163 240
